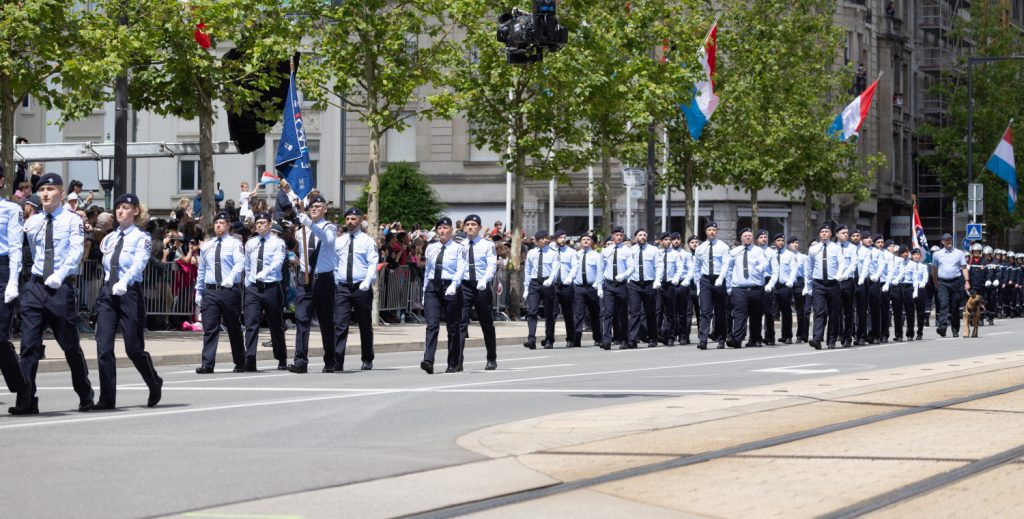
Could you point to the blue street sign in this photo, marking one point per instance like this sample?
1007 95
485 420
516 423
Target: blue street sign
974 231
966 244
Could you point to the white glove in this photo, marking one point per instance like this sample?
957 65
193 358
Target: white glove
995 283
657 284
600 293
840 278
807 290
885 287
621 277
915 293
790 284
728 291
768 287
676 282
988 283
227 283
199 298
719 281
11 293
549 281
860 281
481 285
875 278
53 281
261 275
526 293
365 285
120 288
450 291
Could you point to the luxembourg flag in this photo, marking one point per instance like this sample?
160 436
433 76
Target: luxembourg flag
1003 165
704 103
848 123
269 178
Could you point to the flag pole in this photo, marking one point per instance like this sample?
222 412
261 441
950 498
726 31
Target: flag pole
704 42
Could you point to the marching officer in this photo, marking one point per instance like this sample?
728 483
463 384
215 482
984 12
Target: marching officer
541 266
587 287
219 295
743 277
902 289
563 286
644 279
665 296
784 273
768 304
921 277
950 266
709 258
800 300
11 238
861 292
56 236
442 297
691 301
357 268
264 256
826 266
481 266
315 286
613 292
848 287
126 252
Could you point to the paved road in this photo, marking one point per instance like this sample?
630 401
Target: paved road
225 438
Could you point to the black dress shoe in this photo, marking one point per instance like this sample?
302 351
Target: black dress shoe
450 369
548 345
491 365
686 341
297 369
702 346
530 345
897 339
203 371
787 341
652 345
85 406
238 369
632 345
572 345
251 369
941 332
155 393
23 409
831 345
605 346
733 344
623 346
815 344
103 406
873 341
919 337
327 370
427 366
367 366
858 342
721 345
282 366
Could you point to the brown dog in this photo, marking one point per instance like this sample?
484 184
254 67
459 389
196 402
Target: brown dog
973 310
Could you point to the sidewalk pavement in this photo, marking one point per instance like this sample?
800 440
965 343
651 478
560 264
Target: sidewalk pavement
176 348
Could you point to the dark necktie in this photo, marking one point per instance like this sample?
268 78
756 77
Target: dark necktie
439 263
559 264
351 252
315 245
48 251
216 262
711 258
115 260
615 264
585 266
746 264
664 267
259 257
641 263
778 260
540 265
824 261
472 264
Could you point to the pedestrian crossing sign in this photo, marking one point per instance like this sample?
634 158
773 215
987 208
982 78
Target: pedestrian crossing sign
974 231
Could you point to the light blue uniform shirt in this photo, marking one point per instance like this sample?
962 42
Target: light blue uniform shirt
801 265
485 260
364 258
668 260
865 257
453 264
565 260
836 261
909 271
757 263
322 233
877 264
11 241
545 260
612 255
68 242
850 251
135 251
232 261
785 270
589 261
648 254
719 250
684 267
274 254
923 273
949 262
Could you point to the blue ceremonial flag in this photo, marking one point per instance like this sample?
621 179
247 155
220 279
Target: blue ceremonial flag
292 158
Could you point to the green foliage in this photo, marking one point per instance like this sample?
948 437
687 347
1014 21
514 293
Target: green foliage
997 98
406 196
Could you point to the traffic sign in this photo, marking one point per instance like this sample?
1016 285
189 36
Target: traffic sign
636 192
976 199
634 177
974 232
965 245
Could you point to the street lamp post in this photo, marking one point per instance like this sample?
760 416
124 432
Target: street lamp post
105 173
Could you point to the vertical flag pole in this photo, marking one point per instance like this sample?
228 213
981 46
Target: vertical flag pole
590 197
551 205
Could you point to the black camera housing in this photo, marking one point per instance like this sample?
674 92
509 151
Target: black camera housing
527 36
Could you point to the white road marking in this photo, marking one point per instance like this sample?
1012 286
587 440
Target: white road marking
797 370
997 333
370 391
524 368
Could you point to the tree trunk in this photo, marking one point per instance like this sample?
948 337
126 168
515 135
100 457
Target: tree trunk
755 223
516 276
207 176
691 206
373 208
808 207
7 108
607 202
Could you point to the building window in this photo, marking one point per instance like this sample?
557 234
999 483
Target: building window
188 174
26 103
401 146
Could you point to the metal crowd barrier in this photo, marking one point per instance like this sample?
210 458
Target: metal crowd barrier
167 288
